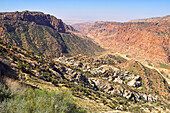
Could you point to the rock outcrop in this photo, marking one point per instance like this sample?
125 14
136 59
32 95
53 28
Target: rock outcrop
37 17
103 78
117 75
74 76
119 90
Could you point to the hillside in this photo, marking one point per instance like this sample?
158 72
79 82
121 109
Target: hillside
108 83
46 67
43 34
141 40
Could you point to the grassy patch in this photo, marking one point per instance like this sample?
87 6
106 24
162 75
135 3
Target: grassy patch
164 66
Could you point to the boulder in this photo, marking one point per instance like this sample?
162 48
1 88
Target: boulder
138 84
137 78
118 80
78 64
132 83
81 77
135 82
110 78
57 74
127 94
145 97
151 98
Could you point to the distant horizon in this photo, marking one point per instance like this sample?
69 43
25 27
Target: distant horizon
80 11
78 21
84 21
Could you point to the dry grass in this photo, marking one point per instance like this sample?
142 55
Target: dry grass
14 86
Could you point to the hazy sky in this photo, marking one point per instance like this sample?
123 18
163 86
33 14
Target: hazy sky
75 11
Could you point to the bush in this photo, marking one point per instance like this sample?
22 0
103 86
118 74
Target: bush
46 74
54 82
104 101
41 101
4 93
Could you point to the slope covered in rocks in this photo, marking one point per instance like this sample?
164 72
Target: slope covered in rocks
43 34
110 80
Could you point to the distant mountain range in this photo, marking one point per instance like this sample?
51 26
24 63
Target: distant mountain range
147 39
154 19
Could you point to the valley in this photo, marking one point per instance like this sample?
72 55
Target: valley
148 41
49 66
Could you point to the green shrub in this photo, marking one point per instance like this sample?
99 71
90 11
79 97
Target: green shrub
41 101
4 93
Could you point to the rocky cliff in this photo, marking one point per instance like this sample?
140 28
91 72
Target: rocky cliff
37 17
43 34
142 40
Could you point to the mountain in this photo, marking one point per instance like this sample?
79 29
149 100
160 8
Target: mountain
33 74
105 83
154 19
43 34
138 39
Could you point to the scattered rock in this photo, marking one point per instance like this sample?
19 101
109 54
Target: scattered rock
118 80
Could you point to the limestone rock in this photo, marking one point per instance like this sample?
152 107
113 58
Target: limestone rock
118 80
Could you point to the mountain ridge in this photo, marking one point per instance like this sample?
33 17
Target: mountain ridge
38 17
146 40
153 19
43 34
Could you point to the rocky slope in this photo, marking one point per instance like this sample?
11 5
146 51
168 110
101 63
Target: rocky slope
110 69
143 40
43 34
109 81
106 80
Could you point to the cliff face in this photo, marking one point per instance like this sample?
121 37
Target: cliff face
37 17
43 34
143 40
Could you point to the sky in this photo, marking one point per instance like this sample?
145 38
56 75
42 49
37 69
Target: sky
78 11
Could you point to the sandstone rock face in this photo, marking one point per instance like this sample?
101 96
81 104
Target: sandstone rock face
142 40
37 17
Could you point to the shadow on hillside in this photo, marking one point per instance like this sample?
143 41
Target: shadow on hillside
6 72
